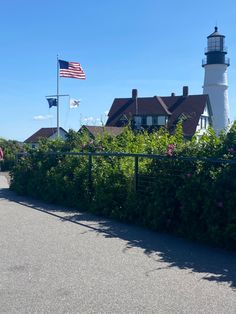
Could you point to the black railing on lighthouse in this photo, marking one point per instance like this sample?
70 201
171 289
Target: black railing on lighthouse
226 61
215 48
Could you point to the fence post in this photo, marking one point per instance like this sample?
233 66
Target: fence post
136 173
90 173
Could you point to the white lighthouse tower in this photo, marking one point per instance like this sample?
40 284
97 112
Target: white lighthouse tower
215 81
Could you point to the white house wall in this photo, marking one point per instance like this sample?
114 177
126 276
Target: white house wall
199 130
62 135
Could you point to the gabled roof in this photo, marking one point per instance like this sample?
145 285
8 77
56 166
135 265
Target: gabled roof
42 133
215 33
127 106
187 107
101 130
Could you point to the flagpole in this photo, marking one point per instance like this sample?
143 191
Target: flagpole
58 134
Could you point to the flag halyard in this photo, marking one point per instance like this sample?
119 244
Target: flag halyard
71 70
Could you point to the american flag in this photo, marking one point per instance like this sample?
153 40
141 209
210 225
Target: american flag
71 69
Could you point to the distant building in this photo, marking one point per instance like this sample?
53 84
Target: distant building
94 131
215 80
154 112
44 133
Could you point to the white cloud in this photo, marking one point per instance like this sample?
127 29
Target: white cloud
43 117
91 120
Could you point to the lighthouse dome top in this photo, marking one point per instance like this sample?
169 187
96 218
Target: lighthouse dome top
215 33
216 51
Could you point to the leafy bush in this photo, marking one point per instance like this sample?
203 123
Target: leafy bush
10 149
191 197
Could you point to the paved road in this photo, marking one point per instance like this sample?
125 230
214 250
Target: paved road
64 262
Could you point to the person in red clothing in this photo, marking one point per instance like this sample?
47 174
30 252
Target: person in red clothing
1 154
1 157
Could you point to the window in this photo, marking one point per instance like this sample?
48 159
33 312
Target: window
161 120
141 120
149 120
137 120
204 122
144 120
214 44
155 120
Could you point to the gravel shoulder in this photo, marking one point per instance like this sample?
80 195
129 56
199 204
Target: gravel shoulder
6 174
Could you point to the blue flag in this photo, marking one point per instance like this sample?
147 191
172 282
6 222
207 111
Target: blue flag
52 102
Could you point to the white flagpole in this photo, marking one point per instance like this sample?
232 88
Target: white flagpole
58 128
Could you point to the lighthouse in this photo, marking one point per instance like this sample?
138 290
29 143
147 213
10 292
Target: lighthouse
215 80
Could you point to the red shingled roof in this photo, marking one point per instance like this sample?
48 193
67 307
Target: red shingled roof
42 133
189 106
101 130
127 106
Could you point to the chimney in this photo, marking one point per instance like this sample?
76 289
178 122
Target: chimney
185 91
134 93
172 94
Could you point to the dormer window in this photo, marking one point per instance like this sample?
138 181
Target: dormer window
159 120
150 121
144 120
137 120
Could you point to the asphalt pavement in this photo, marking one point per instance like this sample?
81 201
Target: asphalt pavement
54 260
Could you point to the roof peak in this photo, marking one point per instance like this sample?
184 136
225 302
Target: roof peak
215 33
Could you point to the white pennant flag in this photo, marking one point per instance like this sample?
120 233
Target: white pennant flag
74 103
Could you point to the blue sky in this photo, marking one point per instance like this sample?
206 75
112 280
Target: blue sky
155 46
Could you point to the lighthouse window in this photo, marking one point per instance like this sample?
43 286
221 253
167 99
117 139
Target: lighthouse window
214 44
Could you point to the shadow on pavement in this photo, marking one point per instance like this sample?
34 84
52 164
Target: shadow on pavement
215 264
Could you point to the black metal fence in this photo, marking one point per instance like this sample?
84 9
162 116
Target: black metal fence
144 181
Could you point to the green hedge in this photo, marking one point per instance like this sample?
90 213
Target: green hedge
195 199
10 148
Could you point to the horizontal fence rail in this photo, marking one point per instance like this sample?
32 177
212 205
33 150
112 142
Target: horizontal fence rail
153 156
143 182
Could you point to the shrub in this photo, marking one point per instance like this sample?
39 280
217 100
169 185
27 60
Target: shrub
194 198
10 149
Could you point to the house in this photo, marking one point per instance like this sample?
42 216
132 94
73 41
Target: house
44 133
94 131
158 111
